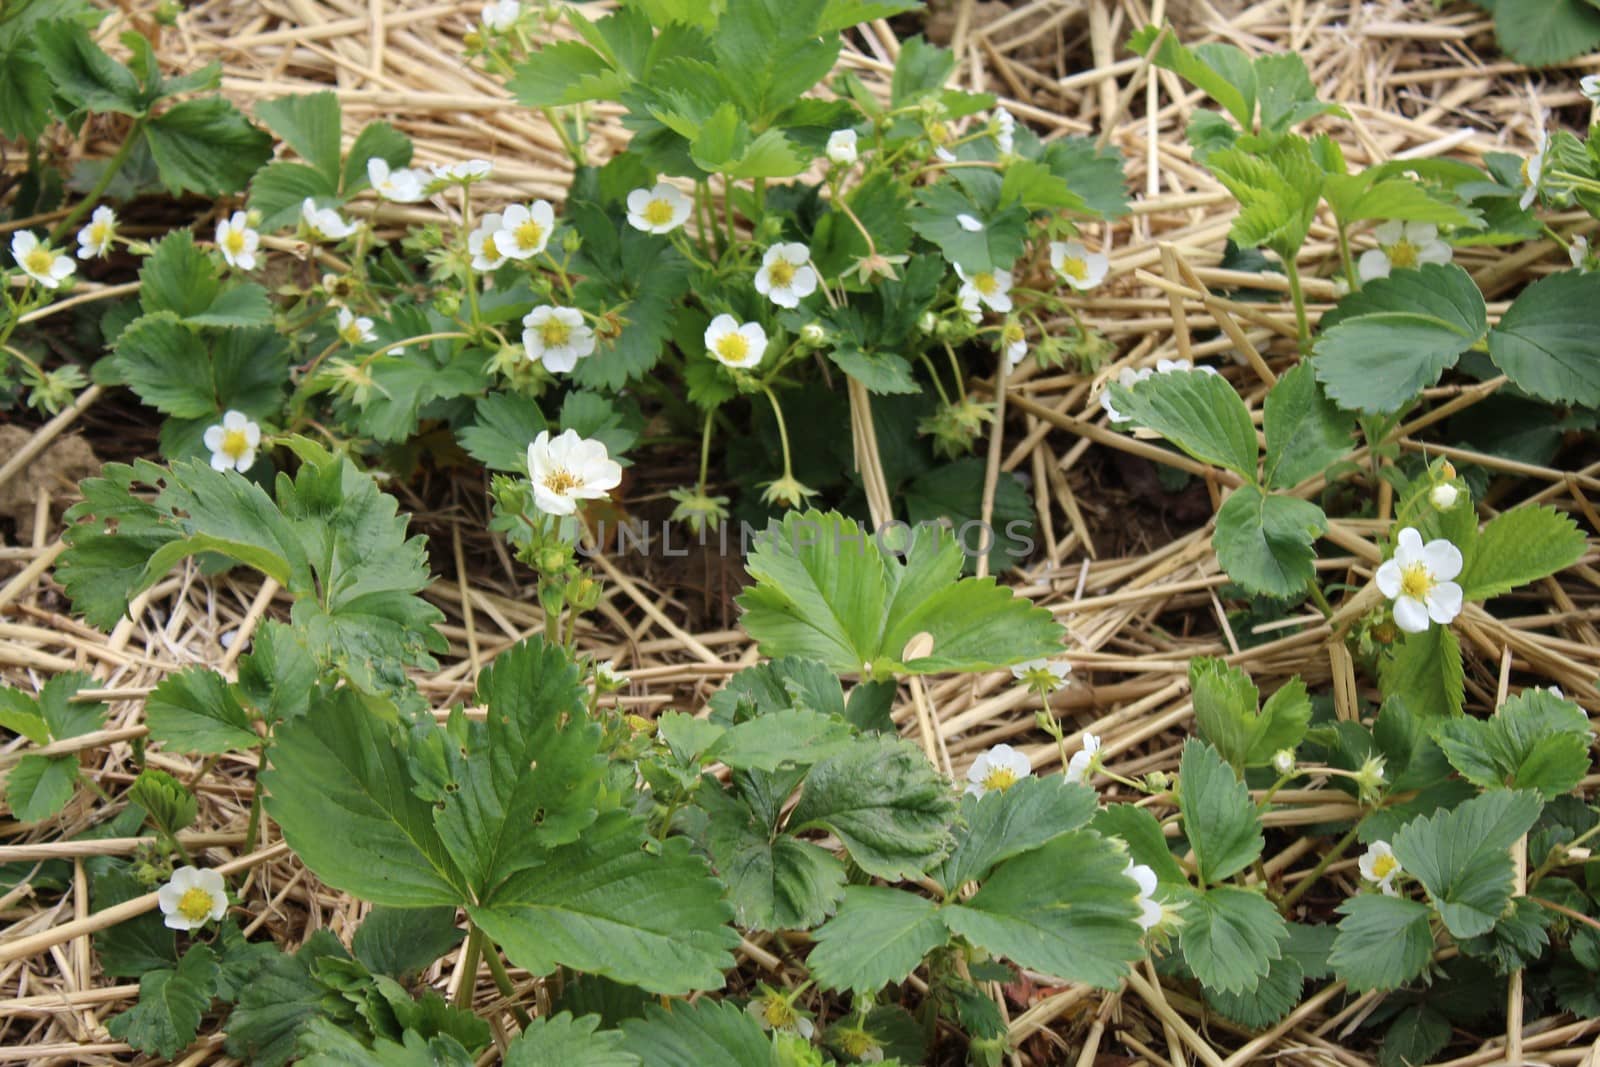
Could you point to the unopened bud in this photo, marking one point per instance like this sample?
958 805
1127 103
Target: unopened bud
1283 761
813 334
1443 496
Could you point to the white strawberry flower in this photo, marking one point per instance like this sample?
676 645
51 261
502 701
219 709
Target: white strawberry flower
1379 865
237 241
570 468
991 288
233 442
355 330
1150 912
661 209
1401 246
324 223
1079 267
1589 85
525 229
734 344
94 240
403 186
484 243
41 262
1085 761
557 337
1533 171
1418 580
193 898
1042 675
1013 342
786 276
1005 131
501 15
997 770
841 148
465 172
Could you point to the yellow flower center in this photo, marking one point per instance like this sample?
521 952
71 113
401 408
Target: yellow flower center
350 332
1416 581
1403 253
658 212
985 283
1384 866
99 233
1075 268
733 348
1000 779
560 480
233 242
529 234
39 261
1012 334
195 904
939 133
554 333
235 444
490 249
781 272
778 1013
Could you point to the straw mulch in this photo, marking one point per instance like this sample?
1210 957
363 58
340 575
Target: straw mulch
1133 579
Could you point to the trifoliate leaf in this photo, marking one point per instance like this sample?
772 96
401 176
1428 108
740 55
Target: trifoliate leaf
604 905
1373 195
1225 710
341 789
885 802
282 999
526 779
25 94
1306 432
1230 937
1383 942
171 1003
67 717
635 277
996 826
277 675
1065 909
1395 336
953 493
134 947
826 589
196 711
167 365
1219 818
1278 191
324 1044
1264 540
1517 939
1274 996
206 146
20 714
920 69
1424 670
1460 857
879 936
309 124
1519 547
505 424
1200 413
775 881
1223 72
39 786
178 277
1535 741
570 1042
1542 341
1093 174
789 736
704 1033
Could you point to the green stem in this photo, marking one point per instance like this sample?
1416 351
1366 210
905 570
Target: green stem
253 827
783 432
1292 270
469 968
1346 258
574 150
1319 598
1322 866
502 982
705 453
106 177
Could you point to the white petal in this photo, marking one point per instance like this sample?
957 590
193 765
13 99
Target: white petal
1144 876
1374 263
1410 615
1389 579
1444 603
1408 547
1387 233
1442 559
1421 233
